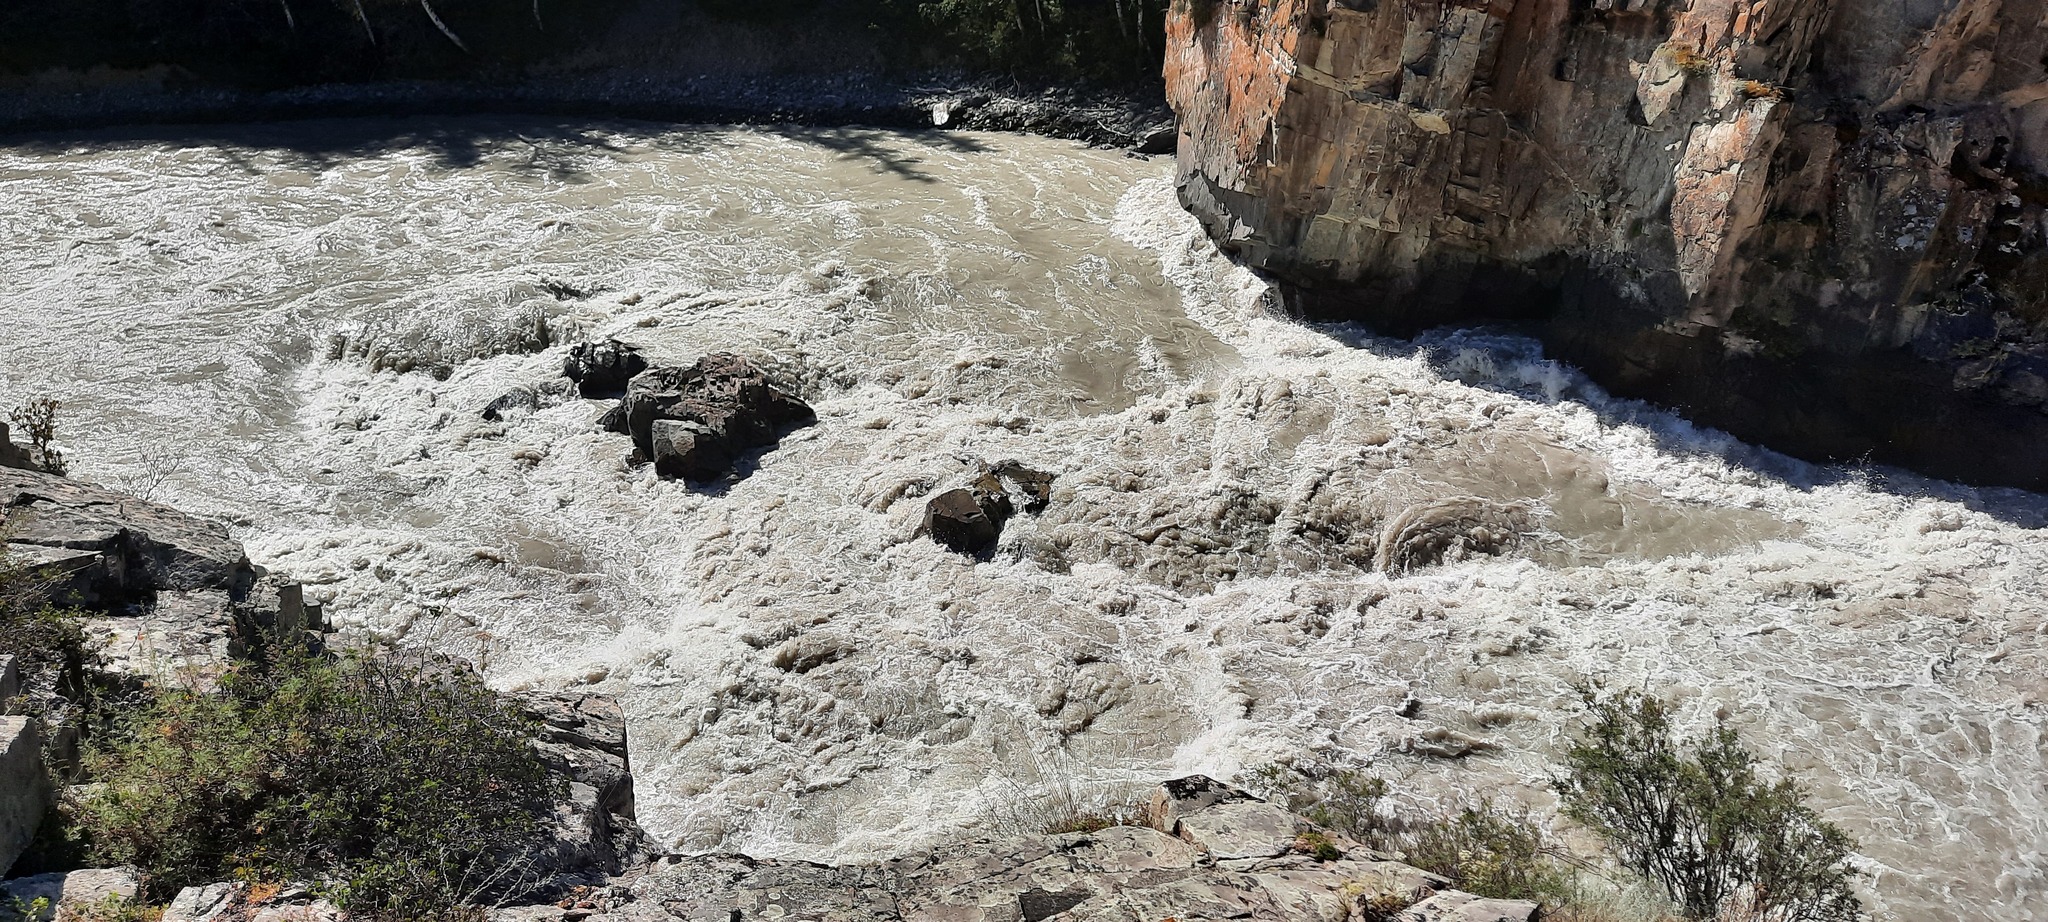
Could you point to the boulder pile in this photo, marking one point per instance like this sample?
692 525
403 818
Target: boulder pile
698 422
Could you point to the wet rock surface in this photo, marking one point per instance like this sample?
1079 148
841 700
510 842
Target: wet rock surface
1824 227
696 423
969 519
601 369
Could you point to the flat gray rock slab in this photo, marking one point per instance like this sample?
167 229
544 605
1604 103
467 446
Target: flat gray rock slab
316 911
1456 906
201 904
155 546
74 891
1247 829
25 792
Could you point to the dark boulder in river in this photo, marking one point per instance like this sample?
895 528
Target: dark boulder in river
601 369
956 520
695 423
970 519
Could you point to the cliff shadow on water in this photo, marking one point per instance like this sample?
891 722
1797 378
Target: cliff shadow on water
1556 331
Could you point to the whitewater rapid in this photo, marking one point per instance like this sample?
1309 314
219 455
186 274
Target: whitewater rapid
294 328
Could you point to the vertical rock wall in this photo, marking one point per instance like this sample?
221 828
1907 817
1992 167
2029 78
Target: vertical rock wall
1822 224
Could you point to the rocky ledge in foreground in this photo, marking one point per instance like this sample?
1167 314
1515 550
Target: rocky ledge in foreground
1208 851
173 601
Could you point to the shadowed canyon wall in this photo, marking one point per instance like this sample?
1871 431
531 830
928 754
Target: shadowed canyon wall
1820 225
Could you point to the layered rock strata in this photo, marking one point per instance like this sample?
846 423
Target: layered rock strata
1819 225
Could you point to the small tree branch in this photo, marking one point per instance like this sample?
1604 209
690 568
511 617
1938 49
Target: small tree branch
438 24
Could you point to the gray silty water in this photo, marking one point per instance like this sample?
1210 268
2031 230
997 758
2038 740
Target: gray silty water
294 328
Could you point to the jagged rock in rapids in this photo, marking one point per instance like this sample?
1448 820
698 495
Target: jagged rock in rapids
1822 226
601 369
696 422
969 519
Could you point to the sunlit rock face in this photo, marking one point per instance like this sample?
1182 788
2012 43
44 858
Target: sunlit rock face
1820 225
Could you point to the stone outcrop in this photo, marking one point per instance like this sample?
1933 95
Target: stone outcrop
172 594
601 369
25 790
696 423
1210 852
70 894
113 548
15 456
1819 225
583 739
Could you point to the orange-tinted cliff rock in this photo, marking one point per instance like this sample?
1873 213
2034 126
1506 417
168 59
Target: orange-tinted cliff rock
1823 225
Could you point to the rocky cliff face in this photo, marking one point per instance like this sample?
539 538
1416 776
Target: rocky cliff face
1822 224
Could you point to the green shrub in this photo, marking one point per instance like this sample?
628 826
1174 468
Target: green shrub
47 640
38 422
1695 818
1086 39
1492 852
1484 849
407 790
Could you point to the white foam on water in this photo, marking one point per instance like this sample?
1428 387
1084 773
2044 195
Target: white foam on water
308 320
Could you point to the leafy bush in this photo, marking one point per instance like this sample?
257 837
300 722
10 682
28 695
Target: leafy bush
406 789
46 640
1485 849
1696 818
38 422
1097 39
1492 852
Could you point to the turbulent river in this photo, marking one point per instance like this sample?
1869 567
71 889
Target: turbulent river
294 328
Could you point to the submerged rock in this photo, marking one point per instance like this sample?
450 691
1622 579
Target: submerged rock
695 423
955 519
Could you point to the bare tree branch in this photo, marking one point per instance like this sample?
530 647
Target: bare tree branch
438 24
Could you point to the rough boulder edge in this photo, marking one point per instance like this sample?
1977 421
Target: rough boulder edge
969 519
